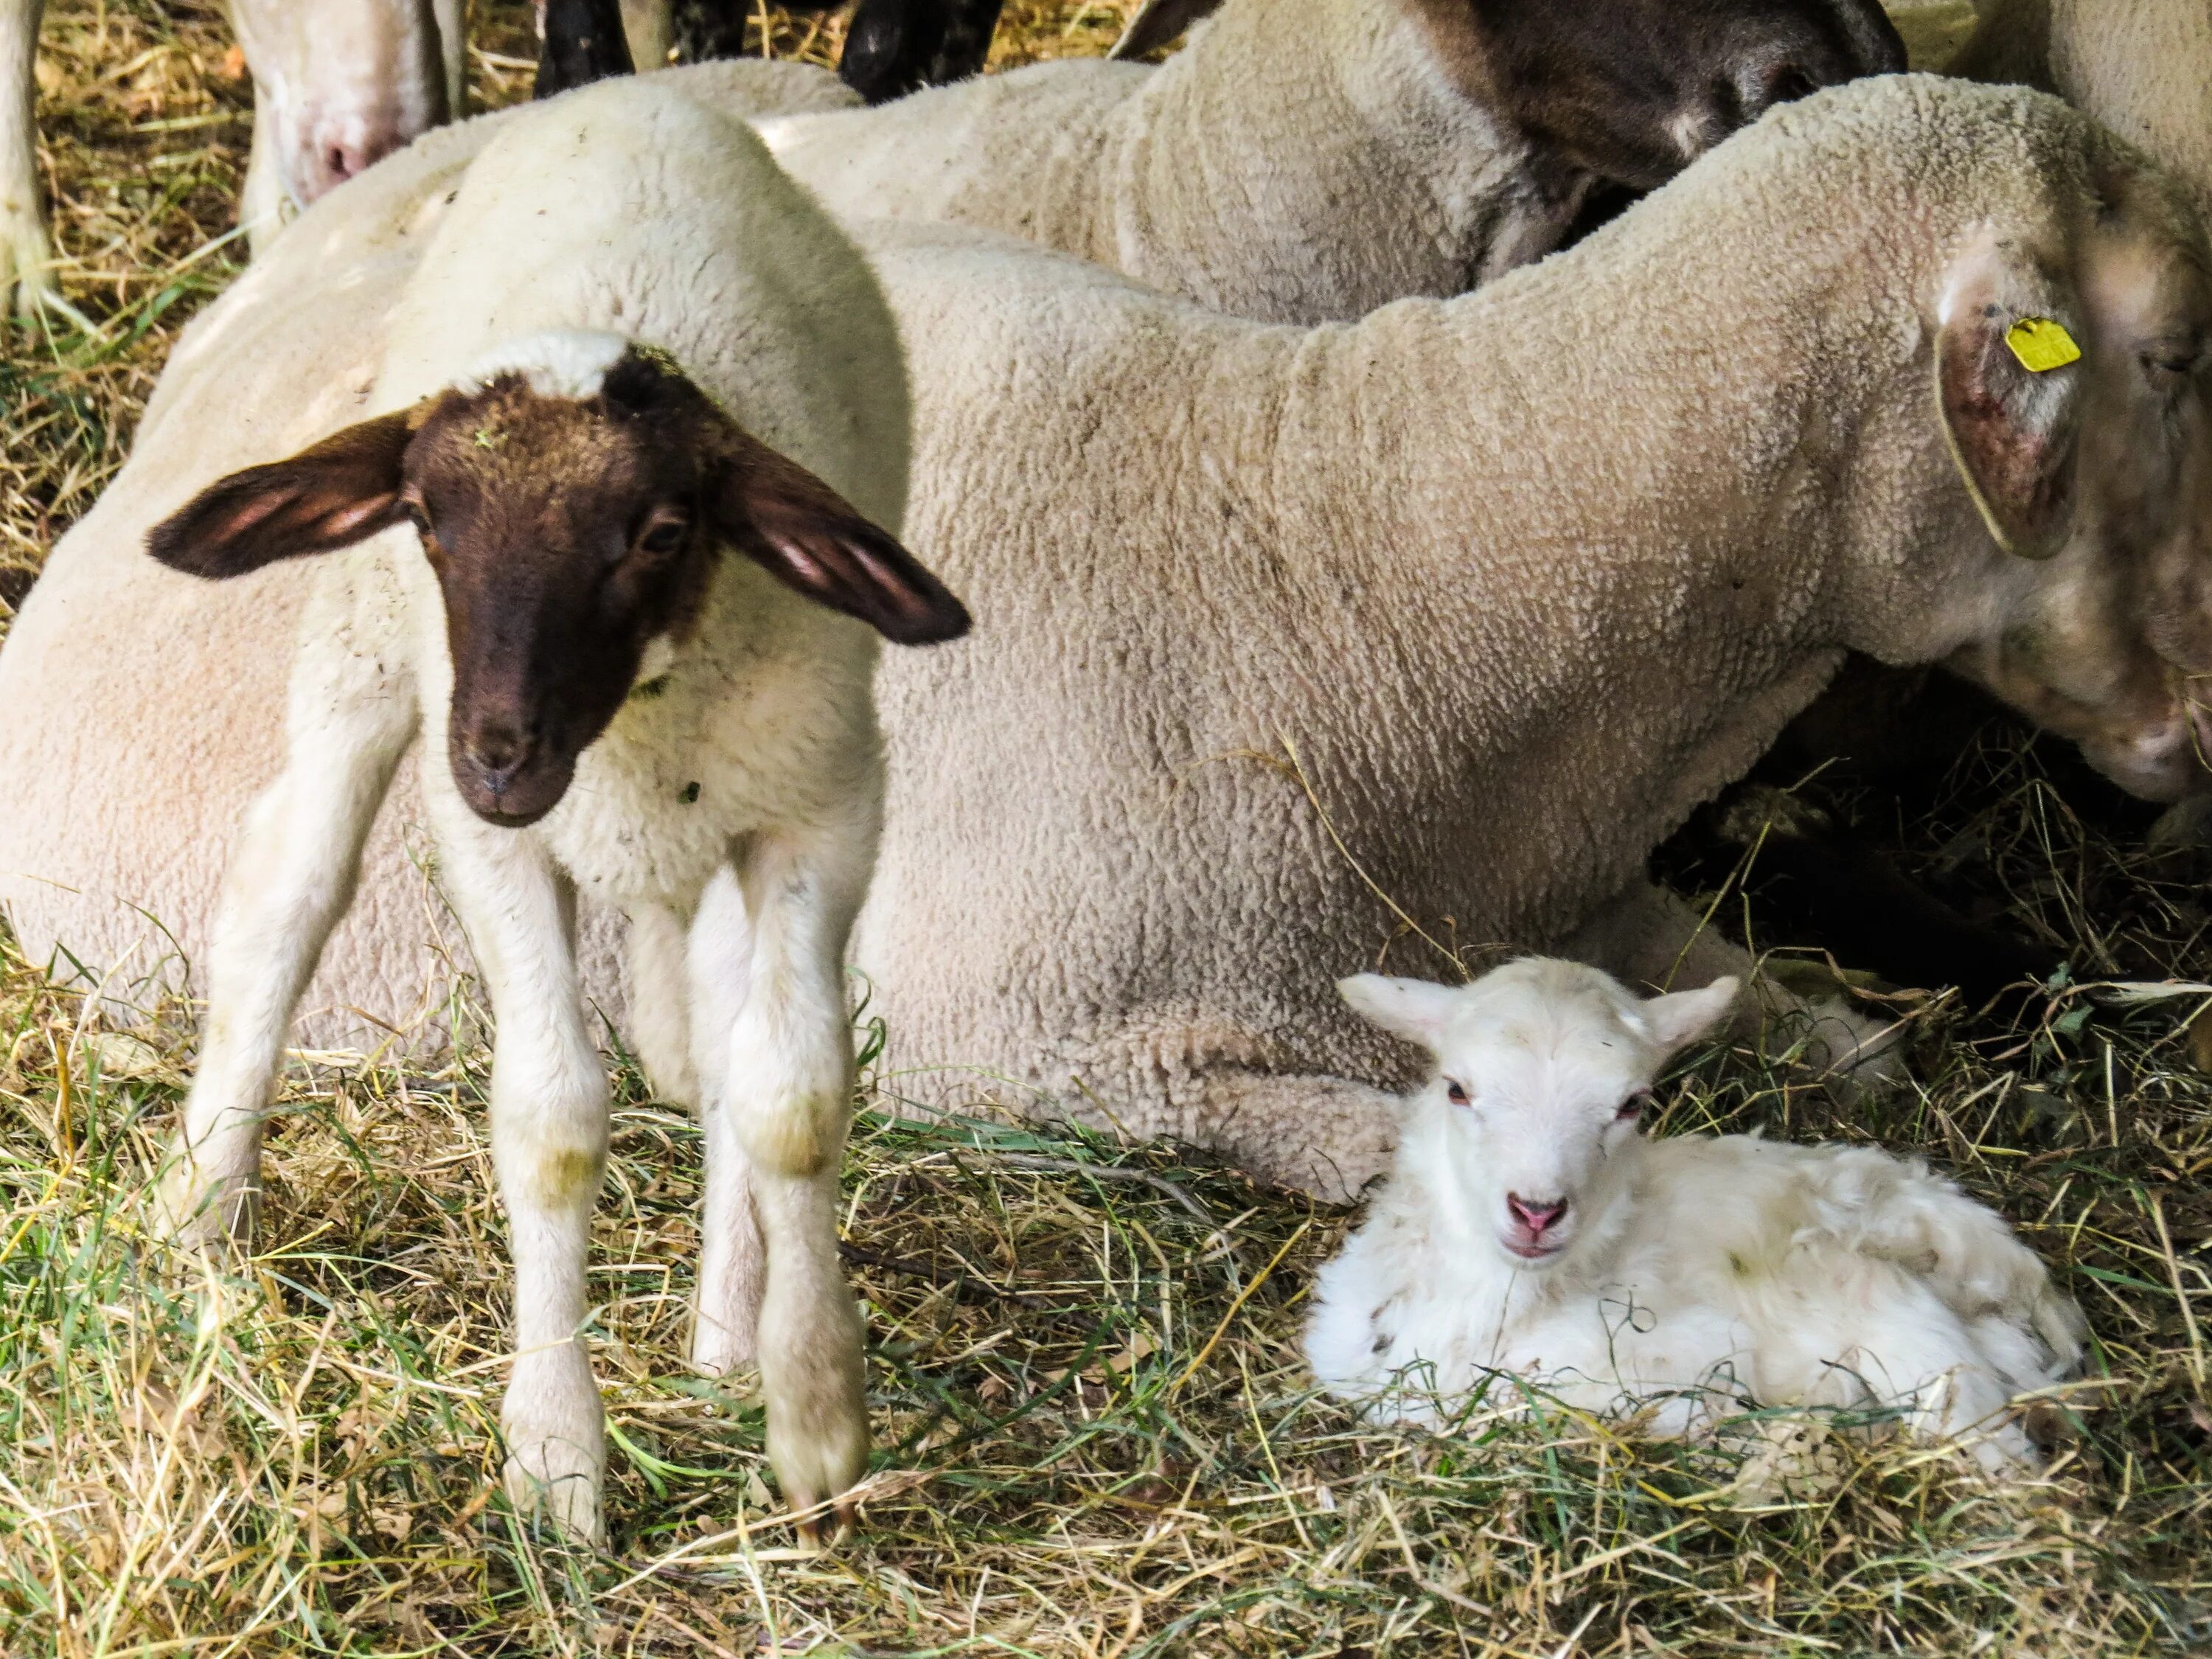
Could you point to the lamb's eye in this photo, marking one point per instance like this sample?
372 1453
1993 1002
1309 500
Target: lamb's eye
1632 1108
663 535
1455 1092
417 516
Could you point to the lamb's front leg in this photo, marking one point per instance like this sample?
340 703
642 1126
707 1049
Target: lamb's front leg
788 1096
290 880
549 1143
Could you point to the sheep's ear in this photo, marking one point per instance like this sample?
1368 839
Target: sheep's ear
809 537
1681 1018
2009 390
1160 22
342 491
1411 1008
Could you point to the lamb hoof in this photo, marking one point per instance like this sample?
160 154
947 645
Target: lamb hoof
719 1351
207 1217
568 1498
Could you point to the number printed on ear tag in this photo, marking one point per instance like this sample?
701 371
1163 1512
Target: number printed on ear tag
2042 344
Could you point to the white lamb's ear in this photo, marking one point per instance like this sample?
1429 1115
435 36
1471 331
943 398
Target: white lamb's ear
1682 1018
1410 1008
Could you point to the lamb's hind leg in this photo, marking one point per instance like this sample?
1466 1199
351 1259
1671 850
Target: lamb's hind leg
789 1100
733 1261
549 1143
290 880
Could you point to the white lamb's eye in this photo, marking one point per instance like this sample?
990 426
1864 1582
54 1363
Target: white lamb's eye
1455 1092
1632 1108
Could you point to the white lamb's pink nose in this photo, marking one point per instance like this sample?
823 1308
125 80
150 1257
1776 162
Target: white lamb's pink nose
1535 1217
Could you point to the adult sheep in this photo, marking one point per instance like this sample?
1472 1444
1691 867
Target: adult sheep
1508 670
337 85
2141 67
1302 160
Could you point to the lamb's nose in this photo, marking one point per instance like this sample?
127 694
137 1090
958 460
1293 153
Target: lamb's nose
1535 1216
498 752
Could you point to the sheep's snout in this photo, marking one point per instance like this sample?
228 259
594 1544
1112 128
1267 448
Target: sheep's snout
1535 1230
506 774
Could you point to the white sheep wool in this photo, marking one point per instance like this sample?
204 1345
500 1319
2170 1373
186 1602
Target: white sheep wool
1682 1281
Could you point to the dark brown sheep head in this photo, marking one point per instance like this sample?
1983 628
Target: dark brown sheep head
1630 90
568 530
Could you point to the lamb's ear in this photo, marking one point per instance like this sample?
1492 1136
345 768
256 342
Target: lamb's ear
341 491
2009 387
1158 22
1411 1008
809 537
1682 1017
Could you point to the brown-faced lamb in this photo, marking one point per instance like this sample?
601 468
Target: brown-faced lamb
640 437
1302 160
1529 1237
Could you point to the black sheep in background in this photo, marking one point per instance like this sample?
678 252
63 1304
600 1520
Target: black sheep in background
892 47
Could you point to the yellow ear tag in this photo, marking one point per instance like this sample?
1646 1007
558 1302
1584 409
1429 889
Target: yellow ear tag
2041 344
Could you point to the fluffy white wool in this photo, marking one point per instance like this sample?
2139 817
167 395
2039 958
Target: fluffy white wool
570 364
1689 1277
291 353
1523 576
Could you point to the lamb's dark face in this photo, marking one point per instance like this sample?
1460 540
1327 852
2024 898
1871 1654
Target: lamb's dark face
567 533
1635 90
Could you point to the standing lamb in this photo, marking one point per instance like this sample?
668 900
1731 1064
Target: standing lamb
623 616
1527 1227
1302 160
336 84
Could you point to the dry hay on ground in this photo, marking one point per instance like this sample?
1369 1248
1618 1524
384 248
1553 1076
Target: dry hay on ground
1096 1437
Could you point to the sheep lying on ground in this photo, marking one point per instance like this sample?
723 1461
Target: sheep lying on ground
1527 1227
1309 159
624 627
336 84
1508 668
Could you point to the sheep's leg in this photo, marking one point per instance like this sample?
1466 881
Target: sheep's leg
658 1001
25 255
732 1263
1325 1135
549 1142
789 1100
263 205
289 882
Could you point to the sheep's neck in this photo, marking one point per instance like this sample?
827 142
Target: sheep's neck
1614 519
1305 160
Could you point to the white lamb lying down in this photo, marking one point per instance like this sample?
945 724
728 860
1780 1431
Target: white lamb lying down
1529 1227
